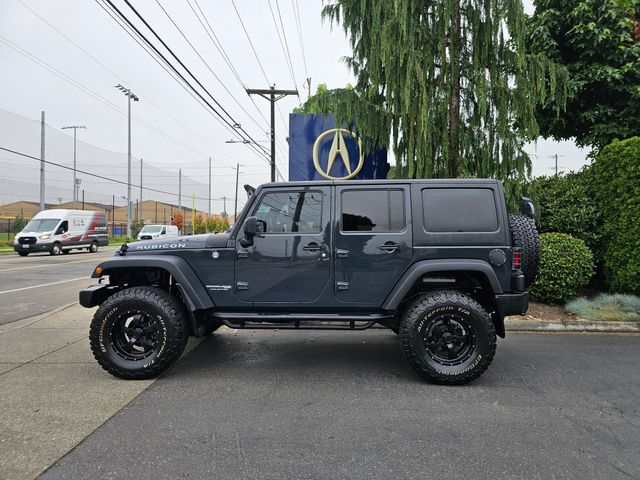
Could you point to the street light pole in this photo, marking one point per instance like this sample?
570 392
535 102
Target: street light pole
235 203
130 96
75 177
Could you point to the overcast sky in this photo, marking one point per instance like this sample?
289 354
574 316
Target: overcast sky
171 130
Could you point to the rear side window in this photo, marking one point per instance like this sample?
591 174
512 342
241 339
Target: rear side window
372 211
291 212
459 210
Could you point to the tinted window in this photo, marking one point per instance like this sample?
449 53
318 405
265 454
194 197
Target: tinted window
459 210
372 211
285 212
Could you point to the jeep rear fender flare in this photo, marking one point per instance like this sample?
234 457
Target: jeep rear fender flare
191 287
418 269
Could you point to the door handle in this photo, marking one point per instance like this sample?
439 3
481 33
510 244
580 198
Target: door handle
390 247
312 247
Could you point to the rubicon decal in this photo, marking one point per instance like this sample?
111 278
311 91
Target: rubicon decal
167 246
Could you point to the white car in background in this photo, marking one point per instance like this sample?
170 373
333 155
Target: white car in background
150 232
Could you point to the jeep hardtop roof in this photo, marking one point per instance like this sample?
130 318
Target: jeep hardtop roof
439 181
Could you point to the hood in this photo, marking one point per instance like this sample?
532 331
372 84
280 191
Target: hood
189 242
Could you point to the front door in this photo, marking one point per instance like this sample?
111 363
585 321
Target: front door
373 241
290 261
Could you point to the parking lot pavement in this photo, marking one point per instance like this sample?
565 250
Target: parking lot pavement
53 392
317 405
38 283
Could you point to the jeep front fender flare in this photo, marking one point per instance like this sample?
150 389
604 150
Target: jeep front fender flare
418 269
190 285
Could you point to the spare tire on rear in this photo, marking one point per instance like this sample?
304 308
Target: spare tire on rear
524 235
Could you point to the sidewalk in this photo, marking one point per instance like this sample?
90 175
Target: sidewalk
53 392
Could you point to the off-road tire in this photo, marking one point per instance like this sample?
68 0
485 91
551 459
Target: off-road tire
56 249
173 332
23 254
440 304
93 248
525 236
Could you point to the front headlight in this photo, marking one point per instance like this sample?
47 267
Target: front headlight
44 237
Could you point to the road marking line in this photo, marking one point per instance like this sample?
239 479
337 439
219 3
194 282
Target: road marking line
94 260
44 285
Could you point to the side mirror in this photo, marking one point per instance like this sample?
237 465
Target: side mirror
250 228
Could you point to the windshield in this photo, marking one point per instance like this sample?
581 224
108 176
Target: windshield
41 225
151 229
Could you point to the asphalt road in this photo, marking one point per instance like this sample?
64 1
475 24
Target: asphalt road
317 405
39 283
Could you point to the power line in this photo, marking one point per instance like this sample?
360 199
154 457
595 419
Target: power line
250 42
206 64
285 45
296 13
230 124
95 175
108 70
90 92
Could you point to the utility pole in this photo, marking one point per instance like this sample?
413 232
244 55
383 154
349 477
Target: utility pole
113 215
75 176
180 189
273 96
209 186
235 203
556 164
42 203
130 96
141 207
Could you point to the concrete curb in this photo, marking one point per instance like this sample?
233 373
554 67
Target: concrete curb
579 326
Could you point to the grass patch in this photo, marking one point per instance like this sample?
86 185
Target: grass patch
607 307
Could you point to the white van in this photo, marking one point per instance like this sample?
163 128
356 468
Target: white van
149 232
60 231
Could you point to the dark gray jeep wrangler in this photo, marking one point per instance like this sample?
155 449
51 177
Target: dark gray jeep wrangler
438 262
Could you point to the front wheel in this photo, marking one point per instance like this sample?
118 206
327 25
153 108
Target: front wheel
138 333
447 337
23 254
93 248
55 249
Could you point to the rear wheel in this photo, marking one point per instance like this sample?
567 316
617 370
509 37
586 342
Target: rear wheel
65 252
138 333
93 248
55 249
447 337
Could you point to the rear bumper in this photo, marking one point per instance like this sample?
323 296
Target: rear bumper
508 304
512 303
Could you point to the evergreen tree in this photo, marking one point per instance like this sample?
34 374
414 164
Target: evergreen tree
448 80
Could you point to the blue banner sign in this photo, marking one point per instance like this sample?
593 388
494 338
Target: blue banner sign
319 150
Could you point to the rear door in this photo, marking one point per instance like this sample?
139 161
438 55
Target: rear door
289 262
373 241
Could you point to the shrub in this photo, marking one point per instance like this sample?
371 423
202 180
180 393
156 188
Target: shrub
616 307
136 226
199 225
617 175
566 204
566 265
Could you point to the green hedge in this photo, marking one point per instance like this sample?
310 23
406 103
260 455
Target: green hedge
617 176
567 204
566 265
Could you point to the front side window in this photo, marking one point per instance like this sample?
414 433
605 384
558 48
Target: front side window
373 211
291 212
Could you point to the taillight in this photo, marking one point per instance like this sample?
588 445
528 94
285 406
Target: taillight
517 259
